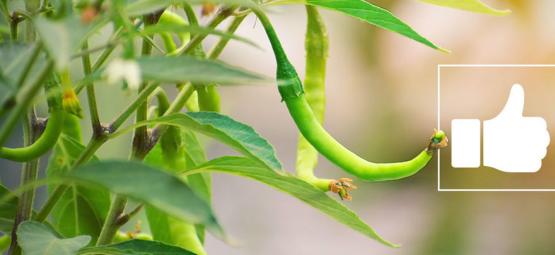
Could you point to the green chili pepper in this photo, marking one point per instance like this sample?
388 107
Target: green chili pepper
291 91
178 231
48 138
44 143
316 47
171 18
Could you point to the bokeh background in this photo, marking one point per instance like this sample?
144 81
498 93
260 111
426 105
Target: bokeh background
382 104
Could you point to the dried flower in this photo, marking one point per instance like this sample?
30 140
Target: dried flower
342 187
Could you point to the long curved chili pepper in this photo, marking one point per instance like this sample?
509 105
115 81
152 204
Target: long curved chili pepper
291 91
49 136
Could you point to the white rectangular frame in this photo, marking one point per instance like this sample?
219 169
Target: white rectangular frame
439 66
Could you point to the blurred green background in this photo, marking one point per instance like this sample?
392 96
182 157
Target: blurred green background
381 91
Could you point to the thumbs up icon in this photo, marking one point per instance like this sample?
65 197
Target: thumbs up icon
511 143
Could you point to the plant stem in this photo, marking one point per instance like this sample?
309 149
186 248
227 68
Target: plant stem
27 68
143 96
141 144
195 41
109 46
140 138
191 16
50 203
29 174
31 6
91 95
219 47
102 58
23 99
111 225
14 21
180 100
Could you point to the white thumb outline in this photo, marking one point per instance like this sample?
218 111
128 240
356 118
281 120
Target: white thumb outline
514 107
511 142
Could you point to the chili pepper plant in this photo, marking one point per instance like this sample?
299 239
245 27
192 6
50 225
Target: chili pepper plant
54 54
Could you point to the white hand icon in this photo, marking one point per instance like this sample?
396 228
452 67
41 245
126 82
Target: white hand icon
512 142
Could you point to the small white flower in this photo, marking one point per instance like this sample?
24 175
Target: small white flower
124 70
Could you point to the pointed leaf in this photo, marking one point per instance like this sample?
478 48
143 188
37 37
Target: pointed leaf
150 186
187 68
148 6
7 211
164 227
294 186
13 58
176 28
81 210
136 247
38 239
61 38
369 13
237 135
469 5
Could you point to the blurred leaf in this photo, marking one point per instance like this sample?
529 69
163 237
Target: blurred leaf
38 239
142 7
171 230
7 211
237 135
150 186
136 247
200 183
163 226
13 58
61 38
82 209
369 13
194 155
187 68
469 5
5 242
175 28
294 186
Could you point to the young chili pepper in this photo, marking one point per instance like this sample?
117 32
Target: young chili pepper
291 91
49 136
171 18
180 232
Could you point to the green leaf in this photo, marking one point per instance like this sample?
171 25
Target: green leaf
200 183
469 5
294 186
136 247
235 134
61 38
141 7
82 209
369 13
176 28
171 230
7 211
13 58
170 154
194 155
38 239
164 227
150 186
187 68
